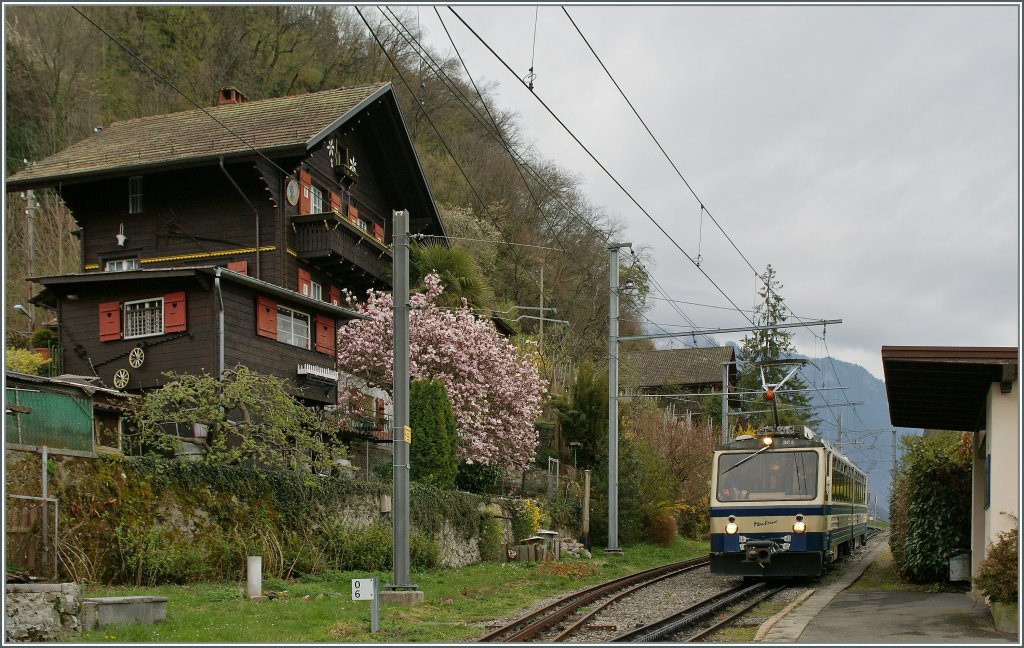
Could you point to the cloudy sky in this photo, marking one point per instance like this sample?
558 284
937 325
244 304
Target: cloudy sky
870 154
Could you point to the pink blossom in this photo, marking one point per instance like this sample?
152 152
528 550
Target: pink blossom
494 387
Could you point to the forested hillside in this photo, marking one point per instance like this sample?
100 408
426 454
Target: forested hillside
68 73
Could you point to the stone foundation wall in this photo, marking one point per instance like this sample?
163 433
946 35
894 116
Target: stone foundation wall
41 612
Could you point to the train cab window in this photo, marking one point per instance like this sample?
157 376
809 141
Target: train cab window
770 476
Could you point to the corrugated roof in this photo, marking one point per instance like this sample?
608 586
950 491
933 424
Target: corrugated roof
681 367
196 135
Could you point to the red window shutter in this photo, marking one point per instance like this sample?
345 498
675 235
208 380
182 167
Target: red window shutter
335 296
353 214
324 335
378 232
336 203
305 183
174 312
304 283
110 321
266 317
241 267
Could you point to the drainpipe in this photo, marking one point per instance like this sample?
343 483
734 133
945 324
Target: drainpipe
220 323
254 211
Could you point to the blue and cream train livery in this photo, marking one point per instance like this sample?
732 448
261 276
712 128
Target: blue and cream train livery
784 503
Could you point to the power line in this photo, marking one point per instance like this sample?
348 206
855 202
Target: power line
443 142
704 209
603 168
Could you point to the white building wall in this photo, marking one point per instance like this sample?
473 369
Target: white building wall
1003 442
996 472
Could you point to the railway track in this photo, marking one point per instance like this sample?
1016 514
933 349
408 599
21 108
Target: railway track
532 625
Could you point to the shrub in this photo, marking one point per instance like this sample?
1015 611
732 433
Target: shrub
42 337
525 520
662 528
998 576
931 506
490 543
477 478
23 361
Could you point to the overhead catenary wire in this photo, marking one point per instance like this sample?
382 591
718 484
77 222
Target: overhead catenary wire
604 169
444 143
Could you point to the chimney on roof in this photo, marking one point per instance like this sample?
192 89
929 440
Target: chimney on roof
229 96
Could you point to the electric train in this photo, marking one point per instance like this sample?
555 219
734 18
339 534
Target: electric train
784 503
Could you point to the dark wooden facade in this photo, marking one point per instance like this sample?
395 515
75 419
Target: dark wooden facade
162 202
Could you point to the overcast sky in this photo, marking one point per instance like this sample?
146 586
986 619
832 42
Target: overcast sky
870 154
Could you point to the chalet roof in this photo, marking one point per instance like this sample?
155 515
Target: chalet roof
276 125
677 367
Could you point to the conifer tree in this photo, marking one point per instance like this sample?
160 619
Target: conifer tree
434 443
768 345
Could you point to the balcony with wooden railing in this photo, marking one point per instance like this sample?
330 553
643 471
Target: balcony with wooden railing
350 239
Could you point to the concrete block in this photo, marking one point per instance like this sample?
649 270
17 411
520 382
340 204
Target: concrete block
400 597
103 611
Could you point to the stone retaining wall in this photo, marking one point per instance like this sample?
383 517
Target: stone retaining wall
40 611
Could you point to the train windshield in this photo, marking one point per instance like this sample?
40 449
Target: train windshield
768 476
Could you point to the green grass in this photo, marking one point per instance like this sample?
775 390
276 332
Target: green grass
458 603
881 576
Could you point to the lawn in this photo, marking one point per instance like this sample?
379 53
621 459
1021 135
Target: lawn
458 603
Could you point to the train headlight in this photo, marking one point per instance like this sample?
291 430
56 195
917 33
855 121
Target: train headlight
731 527
767 440
799 526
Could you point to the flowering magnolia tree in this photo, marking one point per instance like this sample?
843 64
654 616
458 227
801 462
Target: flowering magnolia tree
494 388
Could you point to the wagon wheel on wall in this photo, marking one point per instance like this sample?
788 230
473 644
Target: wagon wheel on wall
121 377
136 357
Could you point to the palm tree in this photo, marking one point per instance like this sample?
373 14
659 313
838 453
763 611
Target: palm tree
460 275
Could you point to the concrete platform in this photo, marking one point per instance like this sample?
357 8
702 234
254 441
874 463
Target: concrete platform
835 615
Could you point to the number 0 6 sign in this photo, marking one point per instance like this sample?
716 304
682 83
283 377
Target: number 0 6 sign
362 589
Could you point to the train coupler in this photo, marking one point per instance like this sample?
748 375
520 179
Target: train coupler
760 551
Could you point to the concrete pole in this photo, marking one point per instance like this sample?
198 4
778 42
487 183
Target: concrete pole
401 434
839 433
613 396
725 402
586 510
30 212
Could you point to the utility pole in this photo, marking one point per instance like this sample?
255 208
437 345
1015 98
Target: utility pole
401 590
30 213
725 402
613 396
839 433
542 309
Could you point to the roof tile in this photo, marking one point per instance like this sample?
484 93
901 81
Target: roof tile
200 134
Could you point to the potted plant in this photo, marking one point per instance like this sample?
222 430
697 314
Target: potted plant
998 579
42 339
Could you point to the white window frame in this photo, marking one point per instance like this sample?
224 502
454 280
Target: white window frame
143 318
316 200
121 265
316 291
135 195
286 330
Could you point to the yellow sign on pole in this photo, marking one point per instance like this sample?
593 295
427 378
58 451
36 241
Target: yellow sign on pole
407 431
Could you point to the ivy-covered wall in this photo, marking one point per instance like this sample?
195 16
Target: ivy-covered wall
146 521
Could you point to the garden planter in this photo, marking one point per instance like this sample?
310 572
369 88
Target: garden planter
1005 617
43 352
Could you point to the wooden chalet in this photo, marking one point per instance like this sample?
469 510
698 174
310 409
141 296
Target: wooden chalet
226 235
